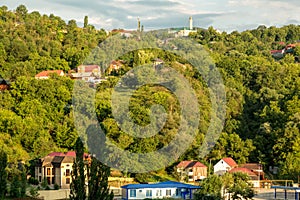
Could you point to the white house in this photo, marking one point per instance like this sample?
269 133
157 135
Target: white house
158 190
224 165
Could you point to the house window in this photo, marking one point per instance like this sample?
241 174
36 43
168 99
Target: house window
148 193
53 171
40 179
67 172
168 192
48 171
67 180
158 193
40 170
177 192
132 193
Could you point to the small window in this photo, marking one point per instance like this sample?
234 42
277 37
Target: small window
148 193
67 180
132 193
40 179
40 170
177 192
168 192
67 172
53 171
48 171
158 193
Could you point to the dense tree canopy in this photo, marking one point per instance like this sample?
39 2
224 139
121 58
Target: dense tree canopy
263 106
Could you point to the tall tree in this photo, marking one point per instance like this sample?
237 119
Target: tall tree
86 21
23 183
78 189
98 181
15 187
3 174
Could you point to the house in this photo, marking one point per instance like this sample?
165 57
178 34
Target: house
257 169
191 171
287 49
160 190
4 84
157 62
224 165
46 74
123 33
56 168
88 73
115 65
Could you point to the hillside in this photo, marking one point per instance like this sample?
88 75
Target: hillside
262 110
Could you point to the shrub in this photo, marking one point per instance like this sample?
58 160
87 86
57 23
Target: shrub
56 187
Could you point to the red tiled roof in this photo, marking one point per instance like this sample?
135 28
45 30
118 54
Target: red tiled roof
48 72
230 162
252 166
56 154
275 51
69 153
199 164
242 170
185 164
89 68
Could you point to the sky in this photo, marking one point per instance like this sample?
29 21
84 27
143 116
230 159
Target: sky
224 15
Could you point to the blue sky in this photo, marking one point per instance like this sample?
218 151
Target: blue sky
225 15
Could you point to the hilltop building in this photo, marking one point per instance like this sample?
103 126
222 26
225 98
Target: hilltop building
184 31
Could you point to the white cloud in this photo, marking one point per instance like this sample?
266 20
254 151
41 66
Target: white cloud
222 14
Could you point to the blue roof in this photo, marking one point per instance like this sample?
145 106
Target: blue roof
167 184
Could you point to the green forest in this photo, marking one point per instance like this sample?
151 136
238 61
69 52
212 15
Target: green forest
262 109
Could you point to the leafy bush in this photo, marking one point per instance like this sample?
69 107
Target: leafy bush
33 181
56 187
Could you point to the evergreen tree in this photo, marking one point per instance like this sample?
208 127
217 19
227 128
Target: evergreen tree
23 183
98 181
3 174
15 187
86 21
78 190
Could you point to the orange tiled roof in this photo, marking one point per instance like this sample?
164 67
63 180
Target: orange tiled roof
185 164
230 162
242 170
89 68
48 72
